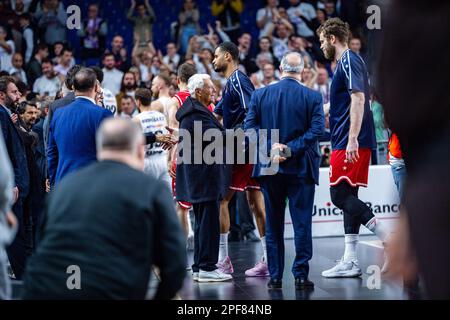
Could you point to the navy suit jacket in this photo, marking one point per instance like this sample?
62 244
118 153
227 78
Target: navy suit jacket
297 112
16 151
71 142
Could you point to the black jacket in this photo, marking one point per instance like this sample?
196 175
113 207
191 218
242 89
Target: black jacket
199 182
114 223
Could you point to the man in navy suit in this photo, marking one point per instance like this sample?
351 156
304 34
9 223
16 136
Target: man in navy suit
9 96
71 143
297 113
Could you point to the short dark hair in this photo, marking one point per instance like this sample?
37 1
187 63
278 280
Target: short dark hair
22 107
335 27
231 48
25 16
70 76
46 60
185 71
127 97
98 72
4 82
84 80
66 49
107 54
39 47
144 95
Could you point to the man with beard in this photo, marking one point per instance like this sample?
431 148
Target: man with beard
160 89
232 108
127 87
9 96
112 78
352 141
48 84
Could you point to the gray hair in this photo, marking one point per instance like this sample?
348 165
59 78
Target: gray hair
119 134
291 67
197 81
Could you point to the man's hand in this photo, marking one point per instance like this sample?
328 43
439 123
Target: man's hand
47 185
275 152
14 118
351 153
11 219
166 140
172 174
15 194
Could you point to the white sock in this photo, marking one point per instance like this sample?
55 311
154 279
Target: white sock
263 243
223 246
351 240
379 228
190 231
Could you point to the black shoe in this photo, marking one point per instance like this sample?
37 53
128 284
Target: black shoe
251 236
275 284
303 283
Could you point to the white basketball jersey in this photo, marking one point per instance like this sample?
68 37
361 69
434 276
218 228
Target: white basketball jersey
156 122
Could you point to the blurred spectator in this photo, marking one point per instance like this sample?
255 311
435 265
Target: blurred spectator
228 13
29 36
330 9
65 62
120 53
245 57
309 76
302 15
281 40
112 78
355 45
137 76
322 84
34 67
52 18
265 46
128 87
48 84
172 58
321 16
7 49
93 36
269 74
17 68
264 17
143 22
188 19
127 107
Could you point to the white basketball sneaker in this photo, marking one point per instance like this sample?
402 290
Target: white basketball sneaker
343 269
213 276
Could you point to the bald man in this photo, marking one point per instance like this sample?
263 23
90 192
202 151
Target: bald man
106 225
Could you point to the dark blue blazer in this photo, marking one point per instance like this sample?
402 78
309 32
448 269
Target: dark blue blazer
297 112
71 142
16 151
39 149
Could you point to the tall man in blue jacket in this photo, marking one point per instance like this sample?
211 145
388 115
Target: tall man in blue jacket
71 143
297 113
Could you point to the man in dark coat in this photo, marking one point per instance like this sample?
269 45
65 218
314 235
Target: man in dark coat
199 183
9 96
100 241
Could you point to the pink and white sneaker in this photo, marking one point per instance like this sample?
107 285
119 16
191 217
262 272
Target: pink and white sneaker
259 270
225 266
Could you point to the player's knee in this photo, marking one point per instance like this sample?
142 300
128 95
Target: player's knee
338 197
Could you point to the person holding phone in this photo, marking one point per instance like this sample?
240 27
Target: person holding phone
297 113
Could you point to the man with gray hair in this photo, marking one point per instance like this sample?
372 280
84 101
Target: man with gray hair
297 113
202 184
109 222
